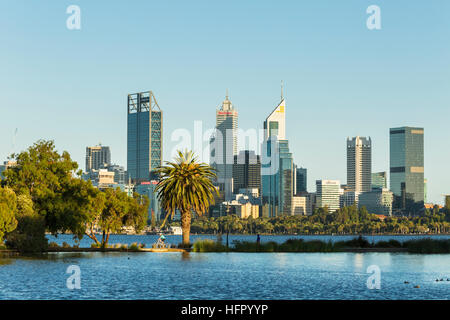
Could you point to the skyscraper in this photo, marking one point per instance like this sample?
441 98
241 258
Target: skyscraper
359 164
224 146
379 180
97 157
144 139
300 180
407 168
246 171
328 194
276 166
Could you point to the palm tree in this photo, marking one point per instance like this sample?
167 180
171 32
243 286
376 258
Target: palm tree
186 185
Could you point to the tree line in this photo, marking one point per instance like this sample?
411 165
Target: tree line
43 192
347 220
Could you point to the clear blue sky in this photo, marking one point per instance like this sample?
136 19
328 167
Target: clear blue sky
341 79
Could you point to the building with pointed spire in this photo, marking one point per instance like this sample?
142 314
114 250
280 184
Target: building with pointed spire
223 145
276 165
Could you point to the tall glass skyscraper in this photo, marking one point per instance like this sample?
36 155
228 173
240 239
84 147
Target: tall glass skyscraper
300 180
379 180
144 138
276 166
407 168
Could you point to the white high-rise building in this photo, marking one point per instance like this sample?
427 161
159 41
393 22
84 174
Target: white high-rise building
224 146
359 164
275 124
328 194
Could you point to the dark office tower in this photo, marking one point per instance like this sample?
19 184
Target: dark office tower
144 143
300 182
246 171
379 180
359 164
407 168
97 157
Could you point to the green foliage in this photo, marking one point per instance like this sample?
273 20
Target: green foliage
47 177
53 245
388 244
8 210
29 236
186 185
359 242
348 220
134 246
66 245
428 246
299 245
207 245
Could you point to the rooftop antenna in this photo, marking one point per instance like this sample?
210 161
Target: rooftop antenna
227 95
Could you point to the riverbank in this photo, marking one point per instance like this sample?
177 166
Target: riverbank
360 244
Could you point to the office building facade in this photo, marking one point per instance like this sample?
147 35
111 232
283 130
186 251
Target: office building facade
379 180
147 188
359 164
97 157
377 201
276 166
144 136
246 171
300 180
407 168
328 194
223 146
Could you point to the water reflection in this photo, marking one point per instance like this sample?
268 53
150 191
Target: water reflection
185 256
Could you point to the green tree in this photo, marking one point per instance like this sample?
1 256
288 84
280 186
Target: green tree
30 233
186 185
48 178
8 209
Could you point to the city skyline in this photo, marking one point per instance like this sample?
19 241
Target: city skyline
338 81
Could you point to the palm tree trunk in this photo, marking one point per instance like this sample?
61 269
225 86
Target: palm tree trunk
186 226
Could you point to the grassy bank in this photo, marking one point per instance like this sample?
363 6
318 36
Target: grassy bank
359 244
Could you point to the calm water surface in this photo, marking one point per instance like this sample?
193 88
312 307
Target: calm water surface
148 240
226 276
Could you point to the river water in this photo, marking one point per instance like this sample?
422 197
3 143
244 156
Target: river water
144 275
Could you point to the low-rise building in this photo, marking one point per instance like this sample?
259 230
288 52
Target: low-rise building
377 201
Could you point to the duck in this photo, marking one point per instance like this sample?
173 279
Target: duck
406 282
417 286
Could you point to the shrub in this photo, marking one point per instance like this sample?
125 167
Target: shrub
208 245
428 246
95 245
53 245
124 247
29 237
388 244
65 245
134 246
359 242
